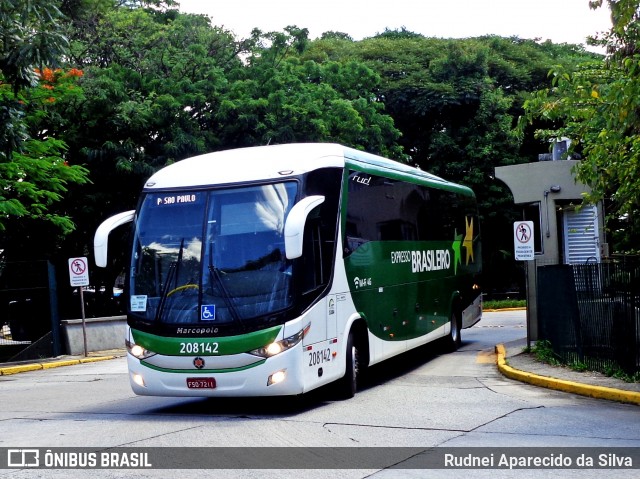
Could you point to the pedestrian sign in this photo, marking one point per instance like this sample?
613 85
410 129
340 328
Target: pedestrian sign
78 272
523 244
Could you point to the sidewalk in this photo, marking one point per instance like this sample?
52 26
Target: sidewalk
515 364
7 369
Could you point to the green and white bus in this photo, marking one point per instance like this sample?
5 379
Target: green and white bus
275 270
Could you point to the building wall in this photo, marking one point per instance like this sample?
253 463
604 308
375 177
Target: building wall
553 185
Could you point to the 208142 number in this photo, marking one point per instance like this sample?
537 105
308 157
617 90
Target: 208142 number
199 348
319 357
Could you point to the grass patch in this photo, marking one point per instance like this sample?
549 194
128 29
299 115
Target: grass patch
504 304
614 371
544 353
578 366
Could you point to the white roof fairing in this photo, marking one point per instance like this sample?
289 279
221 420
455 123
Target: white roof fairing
248 164
278 162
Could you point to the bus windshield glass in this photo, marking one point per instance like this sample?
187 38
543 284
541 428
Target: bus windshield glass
211 257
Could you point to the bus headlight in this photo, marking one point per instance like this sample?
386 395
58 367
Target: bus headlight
138 379
138 351
277 377
278 346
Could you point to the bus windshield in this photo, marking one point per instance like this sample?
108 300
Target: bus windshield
211 257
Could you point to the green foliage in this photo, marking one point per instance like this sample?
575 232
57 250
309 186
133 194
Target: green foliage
152 86
30 38
402 32
177 87
305 102
336 36
33 172
35 176
36 179
578 366
456 103
543 352
597 107
617 372
504 304
159 86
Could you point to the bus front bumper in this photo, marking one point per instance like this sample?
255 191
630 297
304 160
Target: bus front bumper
276 376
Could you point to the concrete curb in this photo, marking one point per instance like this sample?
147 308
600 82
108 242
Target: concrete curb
6 371
598 392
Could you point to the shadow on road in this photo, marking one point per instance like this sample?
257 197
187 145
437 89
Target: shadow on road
288 406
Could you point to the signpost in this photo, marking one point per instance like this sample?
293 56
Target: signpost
79 278
524 250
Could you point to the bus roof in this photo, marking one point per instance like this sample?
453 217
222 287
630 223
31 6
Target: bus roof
282 161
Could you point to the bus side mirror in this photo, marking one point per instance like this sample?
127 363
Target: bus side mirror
294 225
101 238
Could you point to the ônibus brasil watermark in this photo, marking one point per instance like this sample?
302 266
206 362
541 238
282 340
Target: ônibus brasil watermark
320 458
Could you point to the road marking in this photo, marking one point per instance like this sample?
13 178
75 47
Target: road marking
486 357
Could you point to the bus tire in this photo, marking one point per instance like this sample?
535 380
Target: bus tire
348 384
454 339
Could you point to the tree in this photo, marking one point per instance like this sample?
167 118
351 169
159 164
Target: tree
281 96
597 106
34 173
152 79
160 86
456 103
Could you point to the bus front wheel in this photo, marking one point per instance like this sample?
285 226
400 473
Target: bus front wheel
348 385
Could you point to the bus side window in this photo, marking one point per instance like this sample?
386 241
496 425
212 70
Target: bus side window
312 264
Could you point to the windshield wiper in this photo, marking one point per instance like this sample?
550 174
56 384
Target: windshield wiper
174 266
165 290
179 261
228 299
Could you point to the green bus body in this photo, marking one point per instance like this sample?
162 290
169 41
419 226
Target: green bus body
423 259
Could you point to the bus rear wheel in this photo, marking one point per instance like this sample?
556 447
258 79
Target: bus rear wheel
348 385
454 340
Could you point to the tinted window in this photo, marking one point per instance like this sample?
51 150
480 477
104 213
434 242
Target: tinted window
381 209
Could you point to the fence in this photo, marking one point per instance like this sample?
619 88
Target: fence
590 313
29 326
35 296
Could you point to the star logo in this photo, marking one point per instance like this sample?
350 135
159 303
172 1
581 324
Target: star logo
457 255
468 239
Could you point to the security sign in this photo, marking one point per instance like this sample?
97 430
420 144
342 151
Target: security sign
78 272
523 246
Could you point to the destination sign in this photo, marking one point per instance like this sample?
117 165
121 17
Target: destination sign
177 199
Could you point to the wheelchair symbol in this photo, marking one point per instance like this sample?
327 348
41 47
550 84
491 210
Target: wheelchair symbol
208 312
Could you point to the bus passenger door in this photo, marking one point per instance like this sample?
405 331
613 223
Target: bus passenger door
320 346
333 306
316 318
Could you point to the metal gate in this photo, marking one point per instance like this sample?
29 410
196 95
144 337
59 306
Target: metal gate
29 323
590 313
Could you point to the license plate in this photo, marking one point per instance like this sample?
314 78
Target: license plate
201 383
